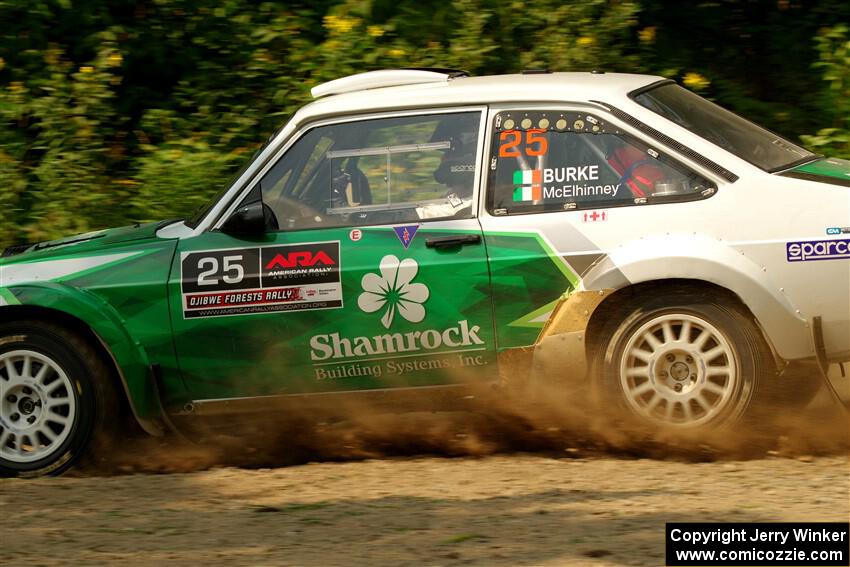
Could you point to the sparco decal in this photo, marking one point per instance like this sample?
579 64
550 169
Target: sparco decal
261 280
817 250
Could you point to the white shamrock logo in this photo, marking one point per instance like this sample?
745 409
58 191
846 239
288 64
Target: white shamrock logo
393 290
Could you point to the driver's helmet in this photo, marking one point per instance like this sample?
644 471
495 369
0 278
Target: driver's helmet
457 165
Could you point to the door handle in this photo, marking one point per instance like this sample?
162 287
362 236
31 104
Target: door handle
453 241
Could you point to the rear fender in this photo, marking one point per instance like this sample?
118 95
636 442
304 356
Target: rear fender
710 260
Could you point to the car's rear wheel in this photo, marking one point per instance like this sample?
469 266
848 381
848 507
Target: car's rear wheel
682 361
55 399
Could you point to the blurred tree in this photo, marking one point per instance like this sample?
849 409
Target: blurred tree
834 47
752 56
125 110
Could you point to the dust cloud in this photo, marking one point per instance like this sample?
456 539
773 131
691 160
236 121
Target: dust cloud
544 421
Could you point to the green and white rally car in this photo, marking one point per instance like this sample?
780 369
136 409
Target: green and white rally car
412 232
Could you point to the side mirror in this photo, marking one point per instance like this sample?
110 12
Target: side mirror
247 220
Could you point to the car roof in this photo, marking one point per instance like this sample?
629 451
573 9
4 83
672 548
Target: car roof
578 87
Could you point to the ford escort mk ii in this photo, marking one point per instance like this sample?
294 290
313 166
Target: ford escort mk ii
421 232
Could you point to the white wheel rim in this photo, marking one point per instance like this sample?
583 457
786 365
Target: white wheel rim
679 370
37 406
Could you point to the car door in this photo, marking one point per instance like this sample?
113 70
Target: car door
376 276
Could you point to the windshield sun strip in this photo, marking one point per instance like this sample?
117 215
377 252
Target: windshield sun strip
651 87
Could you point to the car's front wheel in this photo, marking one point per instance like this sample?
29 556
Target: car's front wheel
55 395
684 361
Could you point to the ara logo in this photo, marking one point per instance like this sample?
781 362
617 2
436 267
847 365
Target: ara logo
301 264
393 291
406 233
304 259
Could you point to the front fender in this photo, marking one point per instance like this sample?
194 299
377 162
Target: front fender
706 259
129 355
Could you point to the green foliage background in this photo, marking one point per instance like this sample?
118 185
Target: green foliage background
112 112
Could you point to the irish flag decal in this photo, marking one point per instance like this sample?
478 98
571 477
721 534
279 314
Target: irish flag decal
527 185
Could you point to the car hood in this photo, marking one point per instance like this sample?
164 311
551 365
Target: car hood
82 243
834 171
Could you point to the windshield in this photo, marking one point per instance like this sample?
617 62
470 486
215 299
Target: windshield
726 129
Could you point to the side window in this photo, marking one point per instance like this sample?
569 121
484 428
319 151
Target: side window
380 171
555 161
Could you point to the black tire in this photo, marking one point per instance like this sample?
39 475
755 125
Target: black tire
654 401
92 391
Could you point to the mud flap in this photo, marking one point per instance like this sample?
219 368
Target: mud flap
823 363
560 352
560 359
515 369
155 372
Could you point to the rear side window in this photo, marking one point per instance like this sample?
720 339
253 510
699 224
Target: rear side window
555 161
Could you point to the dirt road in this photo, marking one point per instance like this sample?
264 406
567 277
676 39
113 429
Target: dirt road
498 510
574 501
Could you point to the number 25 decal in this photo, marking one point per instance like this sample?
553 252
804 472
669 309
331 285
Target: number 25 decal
233 272
536 143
